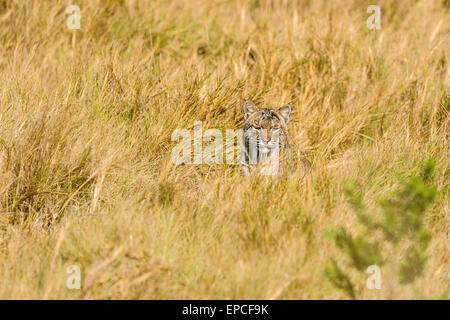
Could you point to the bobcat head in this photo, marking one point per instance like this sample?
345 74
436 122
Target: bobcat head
265 135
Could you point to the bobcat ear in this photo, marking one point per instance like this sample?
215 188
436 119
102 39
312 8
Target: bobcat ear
249 109
285 112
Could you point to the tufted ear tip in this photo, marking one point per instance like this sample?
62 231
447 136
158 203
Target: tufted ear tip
285 112
249 109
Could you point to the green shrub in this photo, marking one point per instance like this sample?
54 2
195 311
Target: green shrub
400 224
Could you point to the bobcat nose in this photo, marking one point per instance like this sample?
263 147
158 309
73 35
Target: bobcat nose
265 135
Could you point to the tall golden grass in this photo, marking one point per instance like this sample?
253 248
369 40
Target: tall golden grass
86 119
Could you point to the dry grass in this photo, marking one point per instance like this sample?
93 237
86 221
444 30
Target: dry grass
86 121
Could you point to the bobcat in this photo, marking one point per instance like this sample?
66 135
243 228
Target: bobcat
266 146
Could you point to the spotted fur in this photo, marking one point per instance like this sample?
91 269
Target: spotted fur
265 137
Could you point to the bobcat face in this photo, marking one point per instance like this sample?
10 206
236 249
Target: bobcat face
265 133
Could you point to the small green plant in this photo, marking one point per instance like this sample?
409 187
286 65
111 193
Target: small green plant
397 232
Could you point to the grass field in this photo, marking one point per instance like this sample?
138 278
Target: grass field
86 118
